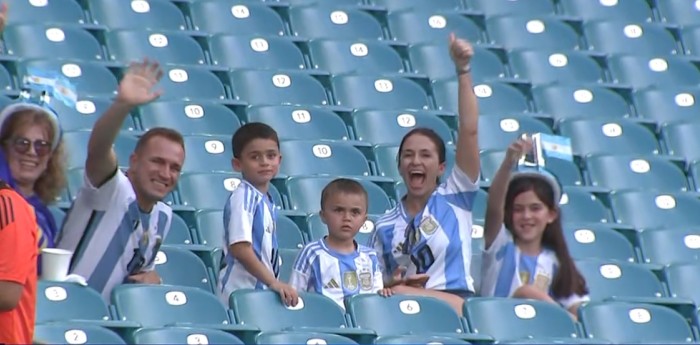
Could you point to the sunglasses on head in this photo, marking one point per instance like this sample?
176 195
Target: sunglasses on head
41 147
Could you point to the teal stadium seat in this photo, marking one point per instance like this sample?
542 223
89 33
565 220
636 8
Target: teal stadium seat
208 153
556 67
269 87
86 111
166 47
679 12
389 127
58 301
183 335
641 72
212 190
190 118
151 14
631 10
37 40
539 32
608 136
668 246
635 171
289 235
76 142
580 101
354 56
681 140
493 8
417 339
75 333
493 97
305 194
180 267
190 83
287 258
347 3
607 279
281 338
386 158
50 12
317 229
308 157
567 173
432 59
497 132
6 84
397 5
332 20
374 91
210 226
691 40
431 25
252 51
300 123
682 280
668 104
597 241
179 233
629 37
88 78
578 205
239 16
646 209
58 214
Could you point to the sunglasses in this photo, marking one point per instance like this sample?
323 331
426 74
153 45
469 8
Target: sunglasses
41 147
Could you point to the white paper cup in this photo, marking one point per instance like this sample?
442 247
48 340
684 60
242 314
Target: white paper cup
55 263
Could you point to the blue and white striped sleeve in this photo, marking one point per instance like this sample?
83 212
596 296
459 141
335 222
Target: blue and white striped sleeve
302 270
239 215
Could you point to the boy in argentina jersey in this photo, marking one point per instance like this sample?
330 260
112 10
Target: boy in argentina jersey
117 222
336 266
251 253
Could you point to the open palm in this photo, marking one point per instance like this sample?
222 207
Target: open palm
136 87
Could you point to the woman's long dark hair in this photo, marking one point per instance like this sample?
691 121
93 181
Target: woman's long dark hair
568 280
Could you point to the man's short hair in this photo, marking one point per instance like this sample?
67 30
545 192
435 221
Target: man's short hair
249 132
343 185
163 132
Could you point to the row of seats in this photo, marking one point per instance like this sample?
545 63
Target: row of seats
368 316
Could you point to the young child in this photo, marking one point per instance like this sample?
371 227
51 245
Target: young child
252 259
336 266
525 252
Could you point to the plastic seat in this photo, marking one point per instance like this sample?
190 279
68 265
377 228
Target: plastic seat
6 83
300 123
492 8
317 229
630 10
691 39
346 3
180 267
208 154
58 301
680 12
578 101
626 323
267 87
641 72
541 67
66 333
333 21
417 339
46 41
668 103
76 142
288 234
433 60
667 246
85 112
88 78
608 136
498 132
307 157
682 280
239 16
389 127
597 241
423 26
366 91
629 37
251 51
166 47
282 338
681 139
493 97
183 335
353 56
58 214
648 209
519 319
694 173
386 158
190 118
212 190
615 279
305 194
634 171
396 5
533 32
179 233
578 205
190 83
151 14
287 258
567 172
51 12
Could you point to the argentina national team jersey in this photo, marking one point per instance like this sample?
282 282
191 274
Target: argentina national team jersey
437 241
110 236
321 269
249 216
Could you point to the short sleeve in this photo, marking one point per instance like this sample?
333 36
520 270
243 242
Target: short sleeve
499 242
573 300
301 272
375 242
491 261
18 240
241 211
100 198
459 188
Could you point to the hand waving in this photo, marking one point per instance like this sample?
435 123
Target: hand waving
461 51
136 88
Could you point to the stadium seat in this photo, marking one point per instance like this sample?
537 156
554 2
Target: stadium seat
287 258
58 214
389 127
212 190
190 118
668 104
423 26
567 172
282 338
579 101
667 246
289 235
75 333
139 14
433 60
354 56
679 12
345 3
626 323
493 8
308 157
579 206
305 194
629 37
691 40
183 335
267 87
386 158
396 5
608 136
640 72
39 40
630 10
682 280
180 267
239 16
543 67
252 51
493 97
694 173
58 301
681 140
166 47
597 241
85 112
532 32
519 319
646 209
88 78
333 21
76 142
497 132
417 339
50 12
317 229
300 123
210 226
369 91
190 83
608 279
635 171
208 154
179 233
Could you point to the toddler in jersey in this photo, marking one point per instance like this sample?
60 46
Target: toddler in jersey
337 266
251 252
525 252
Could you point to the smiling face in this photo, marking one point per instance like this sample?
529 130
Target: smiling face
259 162
419 165
344 213
530 217
28 152
155 168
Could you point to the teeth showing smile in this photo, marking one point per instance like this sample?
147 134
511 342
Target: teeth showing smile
28 164
161 183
